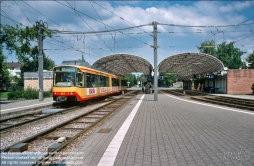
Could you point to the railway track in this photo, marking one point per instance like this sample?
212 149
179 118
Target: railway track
47 143
218 100
228 101
20 120
13 121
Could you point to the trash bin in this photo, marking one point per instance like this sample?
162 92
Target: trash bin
212 90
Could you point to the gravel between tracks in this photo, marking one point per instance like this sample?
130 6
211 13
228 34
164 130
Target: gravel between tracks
18 134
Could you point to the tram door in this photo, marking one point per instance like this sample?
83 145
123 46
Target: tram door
80 83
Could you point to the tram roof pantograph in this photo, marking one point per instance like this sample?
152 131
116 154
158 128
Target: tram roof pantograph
122 64
185 65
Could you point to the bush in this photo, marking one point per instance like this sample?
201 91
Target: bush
31 94
26 94
48 93
15 94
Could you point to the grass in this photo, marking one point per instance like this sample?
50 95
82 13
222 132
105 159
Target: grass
4 94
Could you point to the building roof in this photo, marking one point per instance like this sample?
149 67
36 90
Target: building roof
46 74
76 62
122 64
13 64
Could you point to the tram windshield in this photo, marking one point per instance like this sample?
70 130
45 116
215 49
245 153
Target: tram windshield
64 76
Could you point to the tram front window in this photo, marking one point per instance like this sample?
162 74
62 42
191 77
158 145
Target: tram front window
64 79
64 76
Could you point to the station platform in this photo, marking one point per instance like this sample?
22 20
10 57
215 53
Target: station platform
171 131
17 105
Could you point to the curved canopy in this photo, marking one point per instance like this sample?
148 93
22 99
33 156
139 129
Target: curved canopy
122 64
188 64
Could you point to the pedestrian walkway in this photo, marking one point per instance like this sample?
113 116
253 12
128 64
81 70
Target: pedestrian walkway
170 131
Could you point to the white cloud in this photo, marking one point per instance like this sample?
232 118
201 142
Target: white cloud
196 13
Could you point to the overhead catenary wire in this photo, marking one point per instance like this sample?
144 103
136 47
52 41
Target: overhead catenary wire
41 13
105 26
68 48
206 26
102 22
232 26
239 39
72 48
8 17
120 17
90 27
23 12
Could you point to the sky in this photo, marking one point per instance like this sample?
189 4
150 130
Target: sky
182 26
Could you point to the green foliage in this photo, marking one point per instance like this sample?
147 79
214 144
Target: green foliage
47 93
26 94
17 82
131 78
22 43
229 55
168 79
4 95
225 52
208 47
250 59
15 94
4 73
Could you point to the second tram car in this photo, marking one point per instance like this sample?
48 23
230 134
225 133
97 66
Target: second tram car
79 83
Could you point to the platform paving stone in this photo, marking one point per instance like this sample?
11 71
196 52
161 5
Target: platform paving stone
175 132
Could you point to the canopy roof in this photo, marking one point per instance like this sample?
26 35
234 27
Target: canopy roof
188 64
122 64
185 65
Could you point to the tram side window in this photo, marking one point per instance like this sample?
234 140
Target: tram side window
115 82
92 80
104 81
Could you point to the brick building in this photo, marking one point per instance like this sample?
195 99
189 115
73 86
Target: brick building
235 81
239 81
31 80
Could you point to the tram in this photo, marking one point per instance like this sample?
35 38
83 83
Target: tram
78 83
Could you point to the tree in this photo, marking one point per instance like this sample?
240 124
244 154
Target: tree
4 73
208 47
168 79
225 52
21 42
31 63
131 78
229 55
250 60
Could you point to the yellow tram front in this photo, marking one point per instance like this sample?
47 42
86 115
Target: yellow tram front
65 83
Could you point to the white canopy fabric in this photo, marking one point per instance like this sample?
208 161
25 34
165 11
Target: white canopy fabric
185 65
122 64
